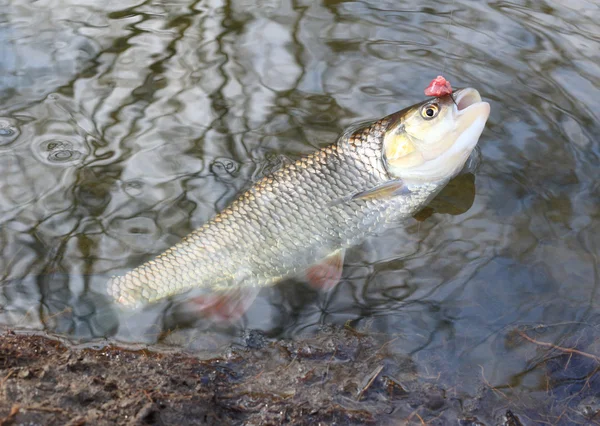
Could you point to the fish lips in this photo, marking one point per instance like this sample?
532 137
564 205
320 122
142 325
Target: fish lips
469 106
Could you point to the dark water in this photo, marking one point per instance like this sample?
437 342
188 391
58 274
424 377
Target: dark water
125 125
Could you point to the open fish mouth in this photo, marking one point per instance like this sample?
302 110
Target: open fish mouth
466 99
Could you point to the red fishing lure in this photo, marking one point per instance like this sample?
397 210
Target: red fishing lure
439 86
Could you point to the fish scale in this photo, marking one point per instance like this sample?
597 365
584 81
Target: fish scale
283 224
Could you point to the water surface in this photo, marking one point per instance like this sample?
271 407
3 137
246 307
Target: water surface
125 125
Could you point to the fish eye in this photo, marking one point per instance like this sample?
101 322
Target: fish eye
430 111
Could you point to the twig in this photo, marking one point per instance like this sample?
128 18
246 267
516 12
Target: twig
353 330
10 373
415 413
45 409
77 421
489 385
370 382
9 420
328 364
389 342
589 377
290 364
67 310
560 348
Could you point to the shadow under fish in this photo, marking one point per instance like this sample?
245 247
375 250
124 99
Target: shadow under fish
455 199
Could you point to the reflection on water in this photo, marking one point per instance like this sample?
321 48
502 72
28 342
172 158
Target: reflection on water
125 125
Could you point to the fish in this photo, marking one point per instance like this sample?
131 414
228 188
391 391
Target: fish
300 220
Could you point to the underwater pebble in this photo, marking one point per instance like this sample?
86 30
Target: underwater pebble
589 406
255 339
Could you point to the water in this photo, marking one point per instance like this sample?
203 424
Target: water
125 125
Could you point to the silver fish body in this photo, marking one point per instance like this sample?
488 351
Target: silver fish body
284 223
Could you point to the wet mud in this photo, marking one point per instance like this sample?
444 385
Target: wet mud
341 376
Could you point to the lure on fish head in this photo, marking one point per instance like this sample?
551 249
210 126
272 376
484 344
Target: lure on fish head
431 141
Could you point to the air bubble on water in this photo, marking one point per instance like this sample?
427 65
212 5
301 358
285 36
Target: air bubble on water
59 152
8 131
223 167
57 145
133 188
64 155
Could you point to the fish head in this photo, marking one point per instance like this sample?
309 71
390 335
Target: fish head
431 141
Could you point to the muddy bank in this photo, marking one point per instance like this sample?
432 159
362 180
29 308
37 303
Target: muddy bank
339 377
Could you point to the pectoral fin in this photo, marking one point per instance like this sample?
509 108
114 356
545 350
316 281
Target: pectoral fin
388 189
325 275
